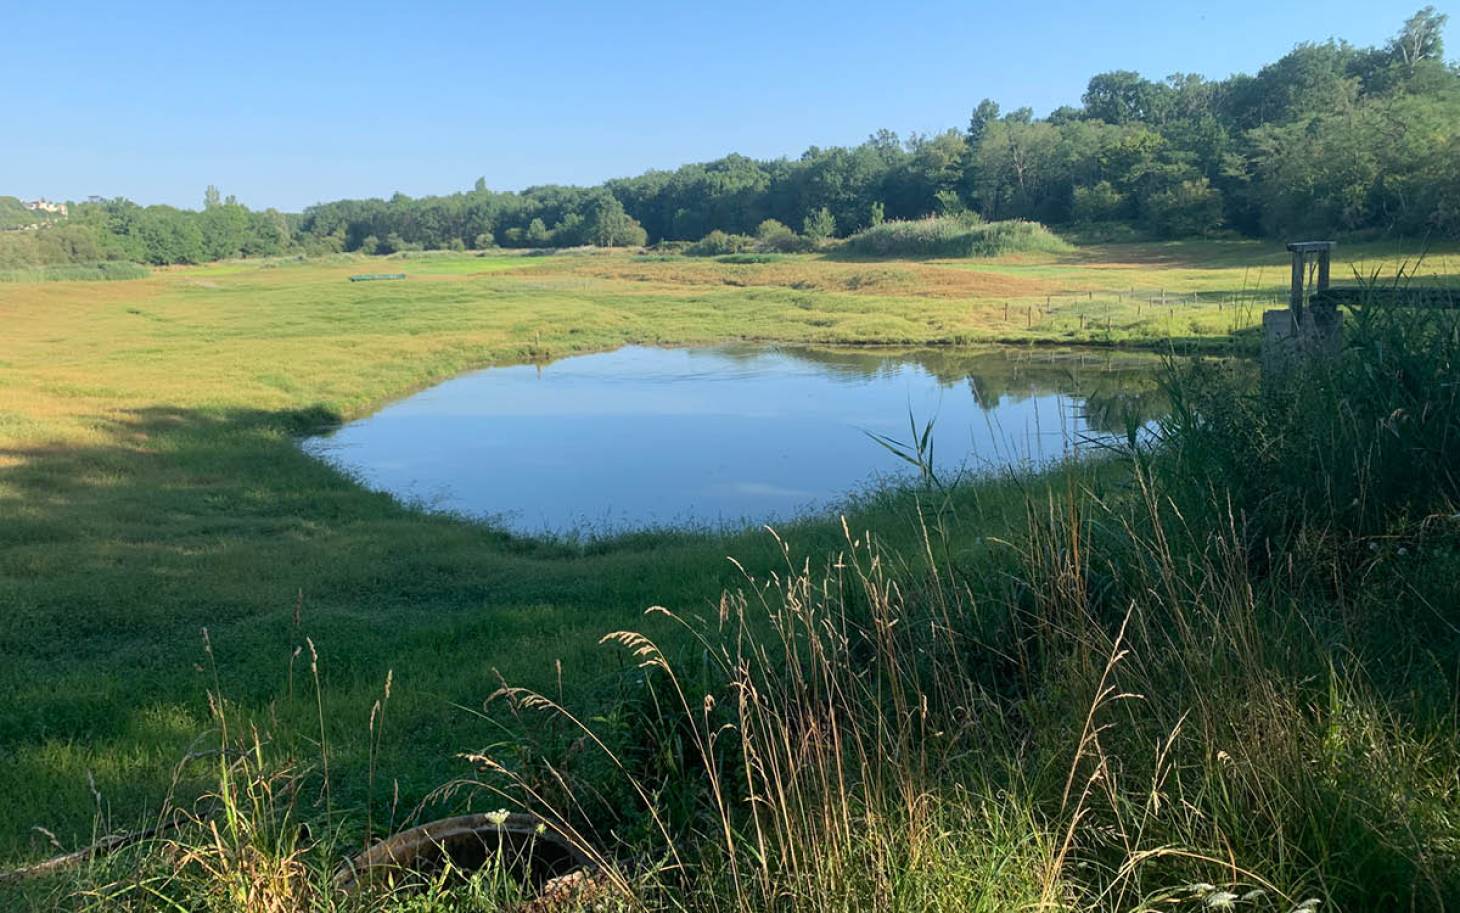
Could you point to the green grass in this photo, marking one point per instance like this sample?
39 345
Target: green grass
72 272
151 488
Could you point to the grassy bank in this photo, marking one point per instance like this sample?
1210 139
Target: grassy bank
953 237
151 488
77 272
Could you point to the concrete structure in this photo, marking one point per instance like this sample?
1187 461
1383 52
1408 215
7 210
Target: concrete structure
1304 329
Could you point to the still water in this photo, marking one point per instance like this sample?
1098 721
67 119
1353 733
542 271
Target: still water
643 437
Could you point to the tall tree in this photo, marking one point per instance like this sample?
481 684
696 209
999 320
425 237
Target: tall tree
1422 38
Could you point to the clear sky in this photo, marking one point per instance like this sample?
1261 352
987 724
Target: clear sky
292 103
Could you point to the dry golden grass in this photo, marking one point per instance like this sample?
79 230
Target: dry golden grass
904 279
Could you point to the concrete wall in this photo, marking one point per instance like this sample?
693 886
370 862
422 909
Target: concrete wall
1286 341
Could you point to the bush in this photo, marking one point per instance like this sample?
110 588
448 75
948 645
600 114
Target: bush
537 234
322 246
778 238
1189 208
718 242
819 226
942 236
1100 203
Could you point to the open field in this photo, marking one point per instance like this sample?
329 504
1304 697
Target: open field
150 486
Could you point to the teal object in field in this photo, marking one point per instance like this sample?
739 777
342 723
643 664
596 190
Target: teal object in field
373 277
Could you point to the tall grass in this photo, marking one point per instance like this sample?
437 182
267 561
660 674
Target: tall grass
73 272
1222 678
941 236
1180 693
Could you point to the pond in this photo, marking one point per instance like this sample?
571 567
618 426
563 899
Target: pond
728 436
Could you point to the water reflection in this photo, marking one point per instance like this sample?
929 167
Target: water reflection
727 435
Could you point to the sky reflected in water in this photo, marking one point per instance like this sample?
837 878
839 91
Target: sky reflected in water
645 437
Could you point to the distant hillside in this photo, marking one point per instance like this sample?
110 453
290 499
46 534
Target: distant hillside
14 214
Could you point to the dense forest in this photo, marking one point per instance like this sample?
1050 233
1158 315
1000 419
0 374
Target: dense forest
1330 140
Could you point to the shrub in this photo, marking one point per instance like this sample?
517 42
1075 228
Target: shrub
572 231
395 244
776 237
950 204
718 242
1189 208
537 234
941 236
1100 203
820 225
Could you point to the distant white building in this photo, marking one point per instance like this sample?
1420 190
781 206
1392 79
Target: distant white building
46 206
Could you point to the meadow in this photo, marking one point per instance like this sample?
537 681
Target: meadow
151 490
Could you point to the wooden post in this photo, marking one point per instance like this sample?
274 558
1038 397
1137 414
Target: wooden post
1295 291
1302 251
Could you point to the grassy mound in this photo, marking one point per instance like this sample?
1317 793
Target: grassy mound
948 237
77 272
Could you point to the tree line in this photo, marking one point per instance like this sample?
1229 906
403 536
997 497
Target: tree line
99 230
1331 139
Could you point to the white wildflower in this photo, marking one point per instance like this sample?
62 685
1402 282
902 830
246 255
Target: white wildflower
498 817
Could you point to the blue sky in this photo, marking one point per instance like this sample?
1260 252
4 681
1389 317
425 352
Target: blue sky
289 104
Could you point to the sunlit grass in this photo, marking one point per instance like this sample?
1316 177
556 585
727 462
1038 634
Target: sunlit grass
151 486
